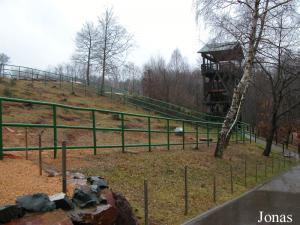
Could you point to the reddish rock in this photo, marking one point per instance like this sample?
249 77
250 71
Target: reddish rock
57 217
125 212
101 215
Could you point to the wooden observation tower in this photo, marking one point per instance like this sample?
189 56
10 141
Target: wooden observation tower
221 71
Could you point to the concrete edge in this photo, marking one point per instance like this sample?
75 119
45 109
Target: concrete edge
216 208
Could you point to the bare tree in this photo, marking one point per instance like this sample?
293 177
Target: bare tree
85 47
278 62
246 21
3 60
112 45
177 68
131 74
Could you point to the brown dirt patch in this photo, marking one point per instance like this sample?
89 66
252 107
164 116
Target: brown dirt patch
20 177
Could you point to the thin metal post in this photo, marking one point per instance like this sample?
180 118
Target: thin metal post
64 167
186 200
40 154
272 164
243 134
214 189
236 134
265 168
149 134
283 148
250 135
256 172
72 85
146 211
183 135
245 170
283 161
94 132
255 137
197 136
168 133
218 132
45 78
111 93
32 76
60 81
231 179
54 131
207 134
26 143
122 132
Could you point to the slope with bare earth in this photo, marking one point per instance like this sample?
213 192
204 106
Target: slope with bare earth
164 169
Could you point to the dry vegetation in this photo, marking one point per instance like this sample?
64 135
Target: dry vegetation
125 172
37 114
164 171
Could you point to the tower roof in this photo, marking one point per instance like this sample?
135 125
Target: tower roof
225 51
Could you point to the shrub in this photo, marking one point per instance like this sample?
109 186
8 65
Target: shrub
7 92
13 82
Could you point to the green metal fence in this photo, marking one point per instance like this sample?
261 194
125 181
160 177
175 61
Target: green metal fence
79 83
189 127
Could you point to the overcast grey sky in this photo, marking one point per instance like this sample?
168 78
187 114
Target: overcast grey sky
39 33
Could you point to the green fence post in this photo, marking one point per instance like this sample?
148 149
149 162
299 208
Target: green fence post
26 143
122 132
207 134
183 135
94 132
1 133
149 134
197 136
54 130
168 133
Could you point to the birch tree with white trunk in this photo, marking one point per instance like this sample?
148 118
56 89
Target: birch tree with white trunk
245 21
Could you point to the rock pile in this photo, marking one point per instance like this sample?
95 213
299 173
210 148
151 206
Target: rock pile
91 204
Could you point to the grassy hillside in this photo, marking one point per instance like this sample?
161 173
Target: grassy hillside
52 92
163 168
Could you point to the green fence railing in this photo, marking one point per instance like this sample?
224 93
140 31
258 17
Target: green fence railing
79 83
190 133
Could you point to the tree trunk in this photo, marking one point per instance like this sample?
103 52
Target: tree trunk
234 111
271 134
88 68
103 78
241 89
